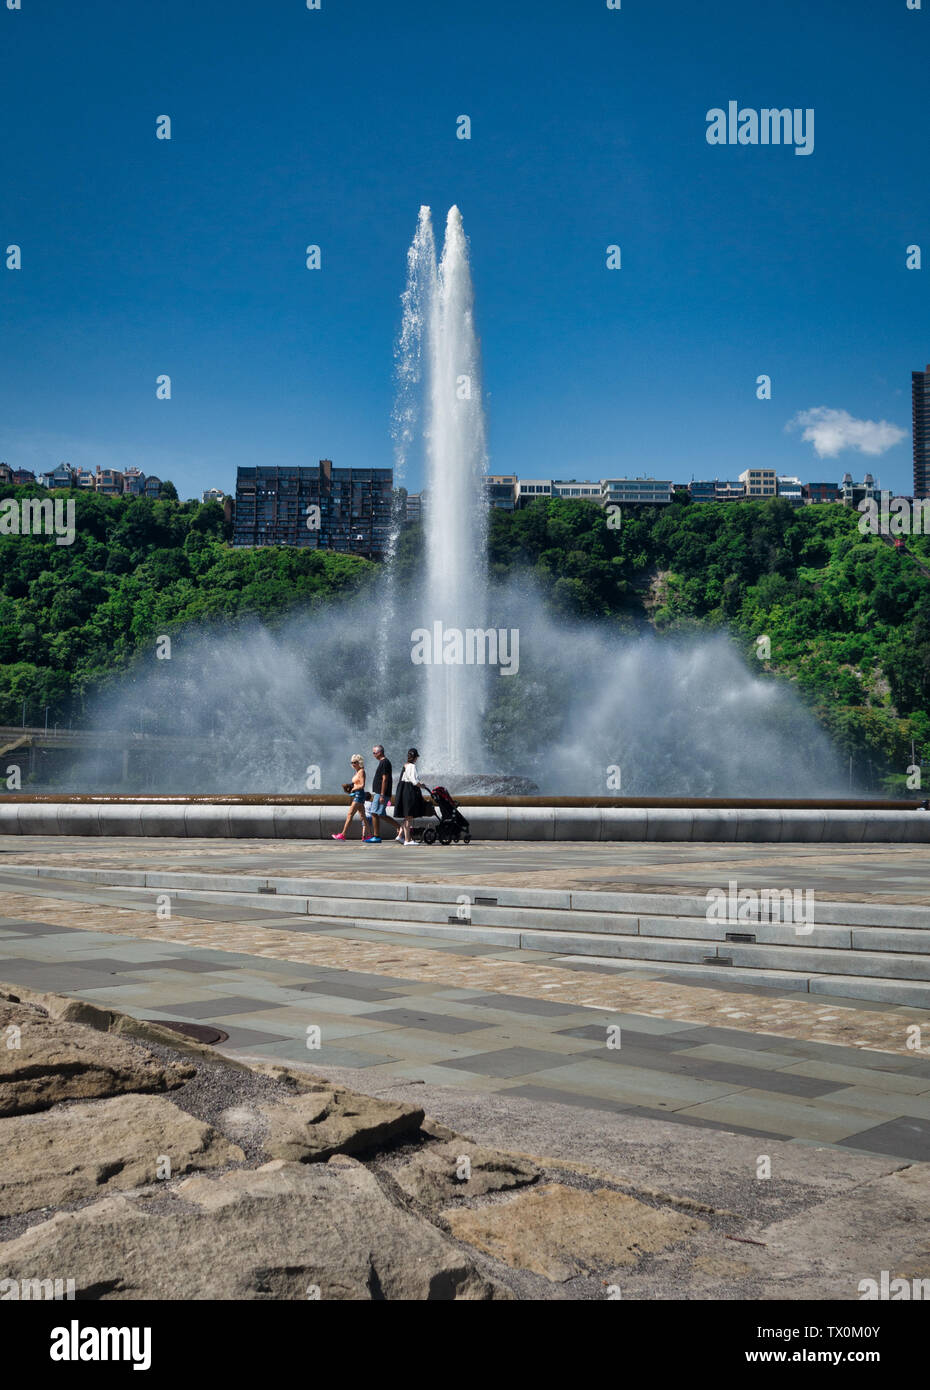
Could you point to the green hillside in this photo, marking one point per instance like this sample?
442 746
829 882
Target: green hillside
847 617
72 615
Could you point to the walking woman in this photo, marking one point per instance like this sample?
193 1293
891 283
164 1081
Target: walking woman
410 801
356 789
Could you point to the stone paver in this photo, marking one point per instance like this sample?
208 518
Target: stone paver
765 1063
849 873
794 1017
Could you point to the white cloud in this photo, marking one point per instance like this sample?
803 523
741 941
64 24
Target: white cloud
832 431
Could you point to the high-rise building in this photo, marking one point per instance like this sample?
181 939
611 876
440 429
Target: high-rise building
791 488
321 508
532 490
822 492
851 494
501 491
759 482
716 490
571 487
920 402
639 491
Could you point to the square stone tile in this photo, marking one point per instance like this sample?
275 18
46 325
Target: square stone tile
110 964
703 1036
888 1081
783 1115
629 1037
219 1007
637 1086
508 1061
332 989
24 928
56 978
361 978
520 1004
908 1136
902 1063
576 1098
744 1056
190 967
876 1101
295 1050
430 1022
737 1077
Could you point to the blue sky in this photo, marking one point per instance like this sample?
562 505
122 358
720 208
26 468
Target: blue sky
293 126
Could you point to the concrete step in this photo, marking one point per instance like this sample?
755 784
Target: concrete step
906 993
805 960
828 913
657 913
882 950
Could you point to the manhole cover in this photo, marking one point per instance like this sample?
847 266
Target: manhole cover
200 1032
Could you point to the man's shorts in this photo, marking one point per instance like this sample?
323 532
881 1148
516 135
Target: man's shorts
378 805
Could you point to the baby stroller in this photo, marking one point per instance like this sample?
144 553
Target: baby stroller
453 828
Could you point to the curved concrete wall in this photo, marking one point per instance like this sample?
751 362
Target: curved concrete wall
487 823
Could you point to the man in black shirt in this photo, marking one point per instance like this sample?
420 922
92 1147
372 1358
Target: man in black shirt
381 786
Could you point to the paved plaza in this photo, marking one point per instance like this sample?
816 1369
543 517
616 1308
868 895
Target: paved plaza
489 1019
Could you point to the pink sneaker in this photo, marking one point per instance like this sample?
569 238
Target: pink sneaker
340 836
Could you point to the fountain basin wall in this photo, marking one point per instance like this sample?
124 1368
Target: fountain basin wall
283 820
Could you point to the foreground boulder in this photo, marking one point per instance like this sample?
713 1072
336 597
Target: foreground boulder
313 1126
71 1153
560 1232
283 1231
45 1060
457 1168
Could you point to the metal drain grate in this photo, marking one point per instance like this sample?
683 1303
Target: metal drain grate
198 1032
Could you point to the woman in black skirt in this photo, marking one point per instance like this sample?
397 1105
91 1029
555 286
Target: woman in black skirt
410 801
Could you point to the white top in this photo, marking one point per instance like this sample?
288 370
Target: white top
409 774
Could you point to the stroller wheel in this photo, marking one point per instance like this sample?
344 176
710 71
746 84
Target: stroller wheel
445 837
466 838
429 836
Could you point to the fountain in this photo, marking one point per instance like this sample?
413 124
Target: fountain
438 341
257 709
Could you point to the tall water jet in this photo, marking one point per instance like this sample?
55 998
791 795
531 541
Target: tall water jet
406 415
456 509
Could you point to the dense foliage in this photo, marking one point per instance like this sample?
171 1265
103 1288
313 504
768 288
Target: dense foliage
72 615
847 617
